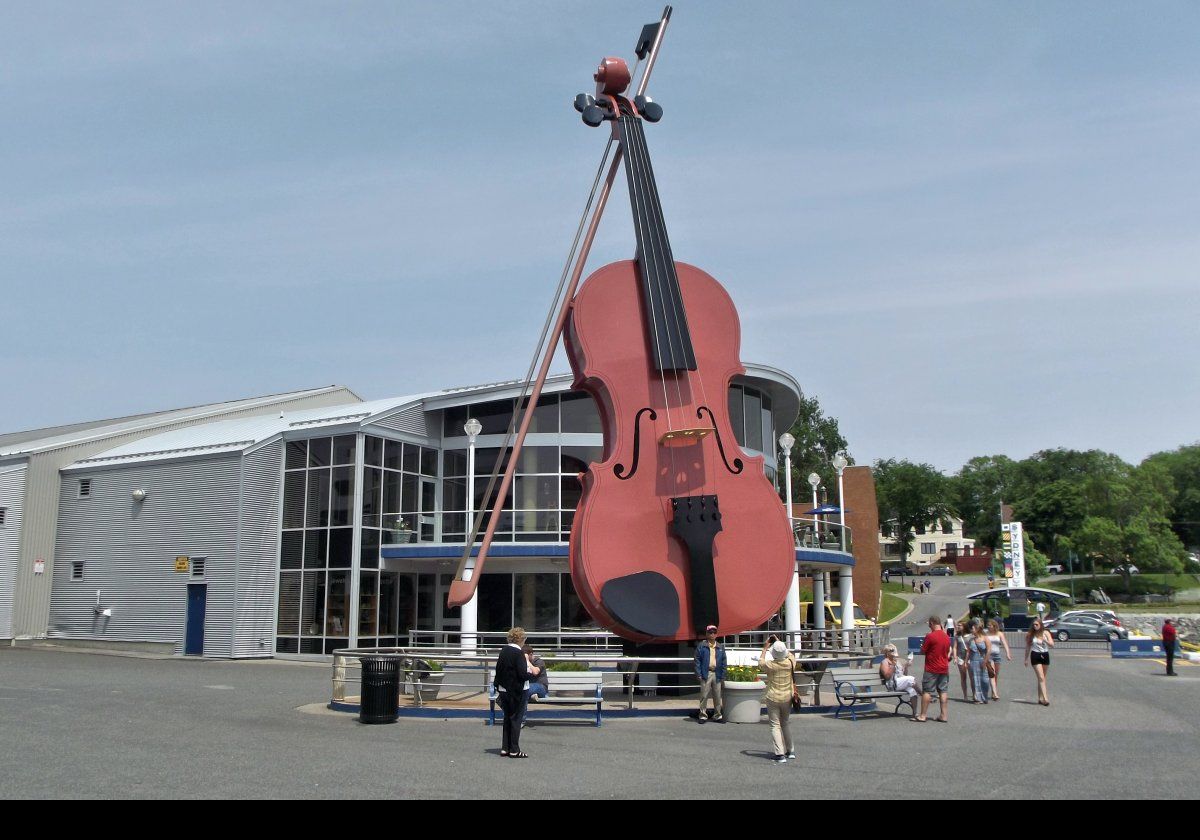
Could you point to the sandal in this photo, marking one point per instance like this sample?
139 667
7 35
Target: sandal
518 755
504 753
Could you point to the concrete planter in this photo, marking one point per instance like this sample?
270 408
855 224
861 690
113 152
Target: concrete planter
743 701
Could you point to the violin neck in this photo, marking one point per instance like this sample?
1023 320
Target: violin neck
670 340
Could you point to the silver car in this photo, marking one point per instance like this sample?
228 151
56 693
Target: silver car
1085 627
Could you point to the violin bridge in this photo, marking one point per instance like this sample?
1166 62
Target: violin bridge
684 437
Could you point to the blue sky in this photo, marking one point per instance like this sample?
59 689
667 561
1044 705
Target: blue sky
967 228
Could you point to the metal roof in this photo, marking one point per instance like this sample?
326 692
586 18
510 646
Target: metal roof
242 433
57 437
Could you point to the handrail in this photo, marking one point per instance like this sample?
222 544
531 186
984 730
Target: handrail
811 532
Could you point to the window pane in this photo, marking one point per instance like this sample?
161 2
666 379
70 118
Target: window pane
753 403
495 602
387 604
393 454
320 452
412 458
545 416
373 451
481 486
572 489
372 501
579 413
577 459
293 500
341 542
291 551
536 492
338 614
736 417
454 494
297 454
316 546
312 604
369 552
343 449
535 601
485 460
343 496
538 459
429 461
368 607
409 498
574 616
289 604
391 492
493 416
454 462
453 420
317 514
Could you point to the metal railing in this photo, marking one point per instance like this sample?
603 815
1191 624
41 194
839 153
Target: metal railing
820 534
583 641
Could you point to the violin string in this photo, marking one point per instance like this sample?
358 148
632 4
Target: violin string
667 289
638 200
630 126
540 349
680 312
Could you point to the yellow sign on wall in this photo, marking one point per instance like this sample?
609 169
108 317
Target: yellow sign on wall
182 564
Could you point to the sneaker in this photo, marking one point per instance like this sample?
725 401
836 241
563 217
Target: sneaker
791 756
781 759
719 719
702 718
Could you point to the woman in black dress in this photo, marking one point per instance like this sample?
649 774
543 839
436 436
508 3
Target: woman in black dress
512 678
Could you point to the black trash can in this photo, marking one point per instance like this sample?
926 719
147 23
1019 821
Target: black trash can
380 690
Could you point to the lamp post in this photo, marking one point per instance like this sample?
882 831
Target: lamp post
792 604
845 574
469 625
818 577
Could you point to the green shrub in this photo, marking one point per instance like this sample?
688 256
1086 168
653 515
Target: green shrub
741 673
567 666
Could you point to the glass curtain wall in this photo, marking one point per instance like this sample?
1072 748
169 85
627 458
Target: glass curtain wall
316 545
753 424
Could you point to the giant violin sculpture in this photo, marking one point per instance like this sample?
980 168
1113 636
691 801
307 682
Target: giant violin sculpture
676 528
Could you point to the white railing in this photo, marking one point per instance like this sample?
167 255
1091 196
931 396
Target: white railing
819 534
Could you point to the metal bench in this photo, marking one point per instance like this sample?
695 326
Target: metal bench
854 686
567 688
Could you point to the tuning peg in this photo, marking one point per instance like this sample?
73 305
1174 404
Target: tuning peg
582 101
650 110
593 115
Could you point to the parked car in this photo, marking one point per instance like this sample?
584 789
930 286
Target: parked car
937 571
1104 615
1067 627
833 615
1054 569
1120 570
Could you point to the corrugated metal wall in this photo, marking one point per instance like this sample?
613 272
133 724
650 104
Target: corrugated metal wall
258 561
12 499
128 549
31 600
412 421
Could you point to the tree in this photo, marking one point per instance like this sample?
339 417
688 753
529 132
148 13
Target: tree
978 489
910 496
817 441
1183 465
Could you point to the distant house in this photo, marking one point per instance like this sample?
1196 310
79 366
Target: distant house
940 541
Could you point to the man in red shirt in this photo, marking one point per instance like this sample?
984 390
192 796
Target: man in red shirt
1169 636
936 650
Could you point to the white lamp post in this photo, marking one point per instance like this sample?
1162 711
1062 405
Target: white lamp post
818 578
792 610
845 574
470 611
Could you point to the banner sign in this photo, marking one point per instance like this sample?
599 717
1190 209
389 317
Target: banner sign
1012 538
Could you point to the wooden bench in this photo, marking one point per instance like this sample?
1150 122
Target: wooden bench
854 686
567 688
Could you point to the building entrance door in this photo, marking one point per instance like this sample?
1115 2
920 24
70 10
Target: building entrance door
197 604
431 605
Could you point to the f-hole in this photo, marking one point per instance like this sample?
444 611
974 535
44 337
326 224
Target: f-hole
619 470
737 467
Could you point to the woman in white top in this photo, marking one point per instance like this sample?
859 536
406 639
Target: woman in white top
1037 653
961 654
892 671
999 643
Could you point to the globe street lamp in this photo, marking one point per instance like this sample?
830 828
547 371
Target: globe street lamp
792 604
469 617
818 577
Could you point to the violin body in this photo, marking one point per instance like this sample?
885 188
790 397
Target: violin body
631 544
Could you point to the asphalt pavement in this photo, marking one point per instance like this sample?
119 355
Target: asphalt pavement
94 726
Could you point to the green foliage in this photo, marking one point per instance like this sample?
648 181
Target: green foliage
1183 467
910 496
741 673
567 666
891 606
978 490
817 441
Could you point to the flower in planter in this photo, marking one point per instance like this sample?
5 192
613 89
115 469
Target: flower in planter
741 673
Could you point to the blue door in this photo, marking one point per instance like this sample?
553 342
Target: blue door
193 644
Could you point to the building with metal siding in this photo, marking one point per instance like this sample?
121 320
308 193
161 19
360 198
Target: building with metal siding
44 452
339 526
12 508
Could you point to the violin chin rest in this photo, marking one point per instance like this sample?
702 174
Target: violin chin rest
645 602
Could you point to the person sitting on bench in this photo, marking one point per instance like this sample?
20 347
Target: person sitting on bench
892 670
